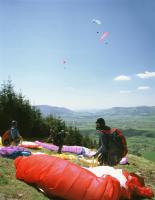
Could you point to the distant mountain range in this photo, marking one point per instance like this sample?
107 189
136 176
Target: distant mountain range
115 111
53 110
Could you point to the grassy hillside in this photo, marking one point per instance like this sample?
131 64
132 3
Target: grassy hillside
13 189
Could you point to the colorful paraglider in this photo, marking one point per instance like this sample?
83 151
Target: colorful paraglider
65 179
104 35
62 178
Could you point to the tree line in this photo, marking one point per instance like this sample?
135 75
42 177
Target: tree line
31 124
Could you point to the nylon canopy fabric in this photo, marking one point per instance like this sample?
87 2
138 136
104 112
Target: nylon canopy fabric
59 177
31 145
13 151
65 179
79 150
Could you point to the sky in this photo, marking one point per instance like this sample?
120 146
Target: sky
79 54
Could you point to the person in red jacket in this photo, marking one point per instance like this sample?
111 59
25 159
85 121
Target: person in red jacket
113 146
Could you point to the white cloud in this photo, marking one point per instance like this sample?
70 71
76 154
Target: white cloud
143 88
146 74
125 91
122 78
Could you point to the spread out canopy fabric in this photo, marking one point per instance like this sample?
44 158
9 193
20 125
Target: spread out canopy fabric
65 179
72 149
59 177
31 145
13 151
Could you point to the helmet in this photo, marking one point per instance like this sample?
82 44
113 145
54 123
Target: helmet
14 123
101 121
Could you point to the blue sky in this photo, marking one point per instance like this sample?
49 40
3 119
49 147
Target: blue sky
51 50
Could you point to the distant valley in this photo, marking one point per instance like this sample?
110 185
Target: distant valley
136 123
61 111
142 117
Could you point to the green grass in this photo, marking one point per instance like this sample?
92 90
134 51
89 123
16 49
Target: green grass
142 146
149 155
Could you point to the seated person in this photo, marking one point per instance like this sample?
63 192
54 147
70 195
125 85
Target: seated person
12 135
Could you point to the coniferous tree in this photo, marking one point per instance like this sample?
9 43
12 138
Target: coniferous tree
31 124
14 106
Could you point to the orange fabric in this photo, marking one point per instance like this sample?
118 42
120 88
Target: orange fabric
30 146
65 179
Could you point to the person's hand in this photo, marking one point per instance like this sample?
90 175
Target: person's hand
92 154
95 155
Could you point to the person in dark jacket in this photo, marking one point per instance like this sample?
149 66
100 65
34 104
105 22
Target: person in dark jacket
113 146
60 140
102 152
14 133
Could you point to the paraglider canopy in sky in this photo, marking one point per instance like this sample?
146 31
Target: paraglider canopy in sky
104 35
63 62
96 21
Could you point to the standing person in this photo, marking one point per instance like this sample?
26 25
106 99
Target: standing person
113 146
60 140
102 151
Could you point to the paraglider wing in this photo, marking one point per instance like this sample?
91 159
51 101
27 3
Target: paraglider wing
59 177
97 21
62 178
104 35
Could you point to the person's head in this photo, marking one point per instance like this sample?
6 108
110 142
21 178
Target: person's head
14 123
100 123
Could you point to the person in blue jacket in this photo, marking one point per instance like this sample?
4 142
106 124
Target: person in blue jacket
14 133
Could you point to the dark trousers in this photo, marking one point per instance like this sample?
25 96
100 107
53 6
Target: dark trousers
60 148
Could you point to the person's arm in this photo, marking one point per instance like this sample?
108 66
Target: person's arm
104 145
100 149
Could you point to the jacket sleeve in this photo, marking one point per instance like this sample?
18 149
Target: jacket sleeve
103 144
99 150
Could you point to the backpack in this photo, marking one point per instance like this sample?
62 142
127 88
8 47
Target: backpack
117 147
5 138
